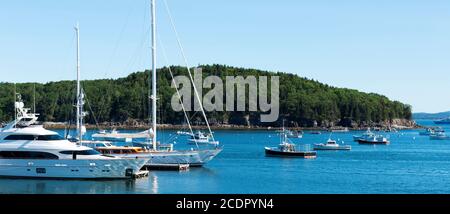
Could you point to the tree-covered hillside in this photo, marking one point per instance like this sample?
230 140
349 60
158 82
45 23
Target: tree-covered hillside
302 101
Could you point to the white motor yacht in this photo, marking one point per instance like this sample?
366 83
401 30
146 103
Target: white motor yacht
29 150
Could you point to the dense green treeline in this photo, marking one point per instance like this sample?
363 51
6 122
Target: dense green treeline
305 102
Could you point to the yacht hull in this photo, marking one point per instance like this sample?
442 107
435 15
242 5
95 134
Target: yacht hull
71 169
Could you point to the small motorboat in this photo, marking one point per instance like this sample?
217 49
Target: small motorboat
367 134
439 136
339 130
376 139
294 134
428 132
288 149
315 133
201 138
332 145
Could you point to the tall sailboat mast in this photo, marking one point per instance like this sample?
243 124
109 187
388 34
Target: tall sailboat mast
79 102
153 96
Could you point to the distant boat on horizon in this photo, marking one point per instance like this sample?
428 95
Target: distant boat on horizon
439 136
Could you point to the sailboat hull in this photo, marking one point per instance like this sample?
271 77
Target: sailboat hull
193 158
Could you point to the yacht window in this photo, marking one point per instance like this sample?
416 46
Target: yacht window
83 152
33 137
26 155
20 137
49 137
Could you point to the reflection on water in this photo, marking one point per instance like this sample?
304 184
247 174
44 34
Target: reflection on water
154 181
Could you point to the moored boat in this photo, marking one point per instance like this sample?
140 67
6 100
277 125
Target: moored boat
427 132
294 134
439 136
315 132
376 139
332 145
201 138
366 134
432 131
339 130
288 149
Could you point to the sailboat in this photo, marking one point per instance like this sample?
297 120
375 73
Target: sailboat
160 155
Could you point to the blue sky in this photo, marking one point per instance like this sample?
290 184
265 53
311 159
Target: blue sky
397 48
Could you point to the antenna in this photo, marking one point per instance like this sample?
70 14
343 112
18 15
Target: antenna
15 109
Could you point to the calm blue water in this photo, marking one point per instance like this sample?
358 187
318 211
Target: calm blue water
411 164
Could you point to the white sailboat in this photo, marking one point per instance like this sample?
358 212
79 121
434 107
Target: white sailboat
160 155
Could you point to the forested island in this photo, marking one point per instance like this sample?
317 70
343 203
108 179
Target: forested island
303 102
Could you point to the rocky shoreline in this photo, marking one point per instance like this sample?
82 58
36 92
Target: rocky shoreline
397 124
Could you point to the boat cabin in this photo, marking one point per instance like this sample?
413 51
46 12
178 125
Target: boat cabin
120 150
